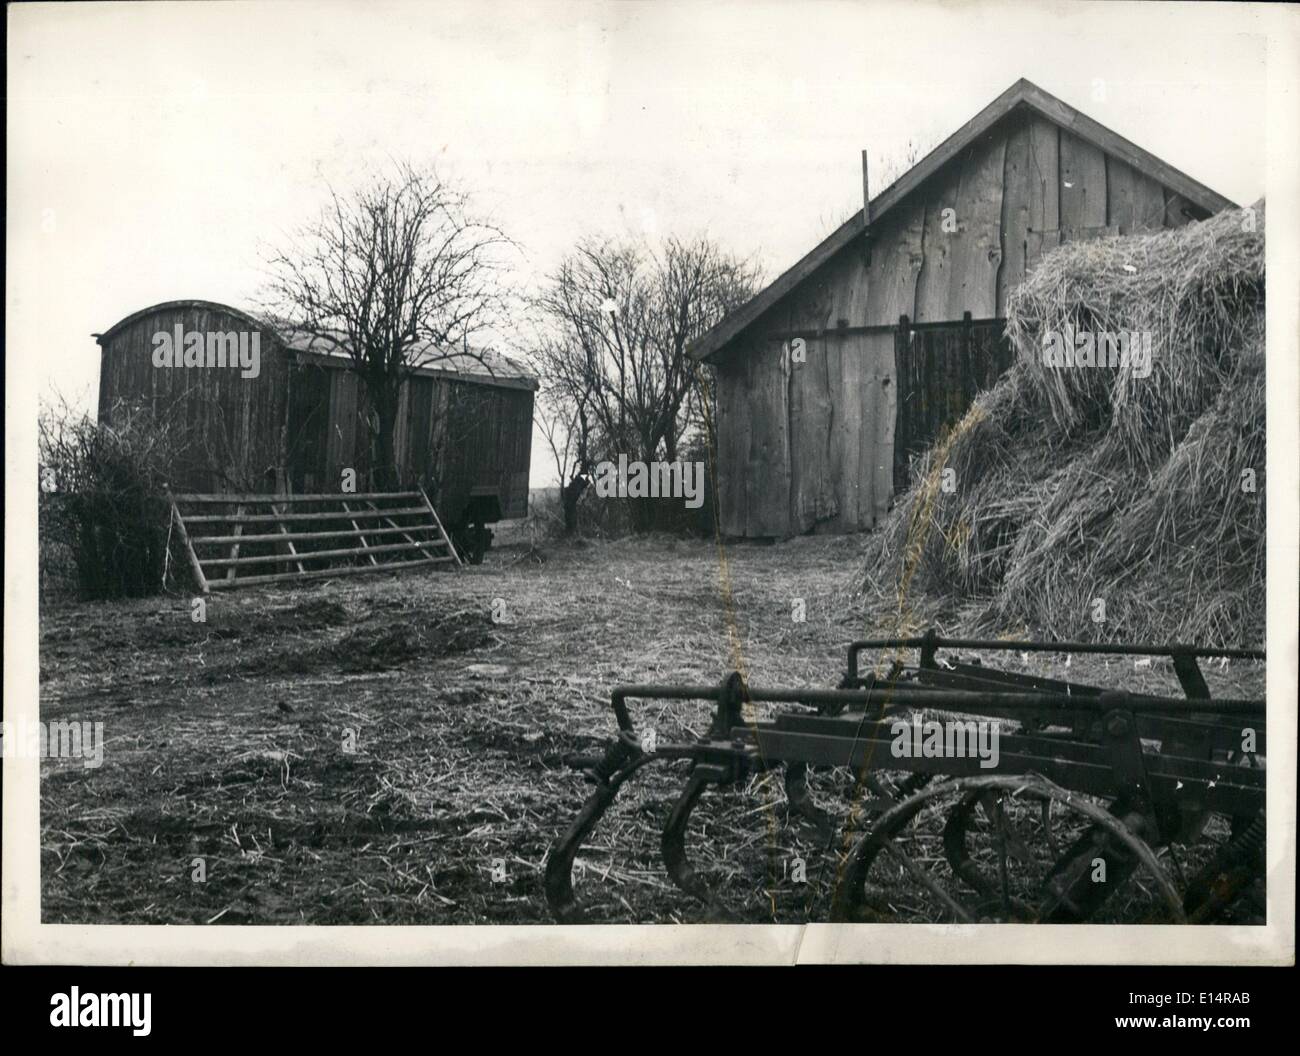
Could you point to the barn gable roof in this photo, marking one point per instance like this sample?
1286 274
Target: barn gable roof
1023 95
485 366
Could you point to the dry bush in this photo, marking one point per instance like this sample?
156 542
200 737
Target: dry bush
103 514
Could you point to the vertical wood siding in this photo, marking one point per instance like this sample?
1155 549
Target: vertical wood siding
232 424
816 447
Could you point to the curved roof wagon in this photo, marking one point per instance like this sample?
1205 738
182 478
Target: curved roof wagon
269 409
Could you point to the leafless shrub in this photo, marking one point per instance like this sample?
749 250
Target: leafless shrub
103 512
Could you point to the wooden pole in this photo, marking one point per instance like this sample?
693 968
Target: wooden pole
189 548
279 537
866 193
364 544
269 518
406 530
329 573
234 549
441 530
285 531
349 551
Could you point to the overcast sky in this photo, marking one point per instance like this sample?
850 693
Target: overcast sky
154 147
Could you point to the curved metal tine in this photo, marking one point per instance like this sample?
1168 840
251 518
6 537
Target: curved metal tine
559 864
558 883
673 845
1052 845
954 845
796 792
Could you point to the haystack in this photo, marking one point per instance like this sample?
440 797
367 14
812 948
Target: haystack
1076 484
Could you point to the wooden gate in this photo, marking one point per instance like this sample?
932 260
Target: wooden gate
941 368
289 537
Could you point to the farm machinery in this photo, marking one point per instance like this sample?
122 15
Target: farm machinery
1088 790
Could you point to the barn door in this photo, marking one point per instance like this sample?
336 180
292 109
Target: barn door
941 369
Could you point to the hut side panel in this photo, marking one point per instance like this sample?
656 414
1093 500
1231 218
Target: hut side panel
818 439
231 424
487 443
309 430
451 437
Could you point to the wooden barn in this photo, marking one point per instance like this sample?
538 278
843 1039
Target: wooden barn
464 427
854 359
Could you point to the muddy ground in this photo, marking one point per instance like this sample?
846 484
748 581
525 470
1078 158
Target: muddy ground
381 749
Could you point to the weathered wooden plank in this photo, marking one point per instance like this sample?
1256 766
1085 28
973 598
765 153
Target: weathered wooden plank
266 499
288 542
1083 183
298 537
730 437
1087 234
1038 243
364 542
896 259
878 412
329 573
934 283
891 292
848 288
337 448
402 438
848 424
1017 181
234 547
442 532
769 448
824 303
406 530
977 244
1134 201
184 536
813 437
312 555
1045 181
289 515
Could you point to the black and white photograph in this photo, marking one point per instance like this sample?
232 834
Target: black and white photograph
793 482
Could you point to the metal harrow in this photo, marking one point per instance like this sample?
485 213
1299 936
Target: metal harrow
1160 766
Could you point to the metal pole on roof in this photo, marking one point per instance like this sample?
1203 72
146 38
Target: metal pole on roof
866 193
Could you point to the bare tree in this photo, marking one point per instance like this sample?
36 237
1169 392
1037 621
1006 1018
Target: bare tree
892 166
619 318
398 275
567 432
